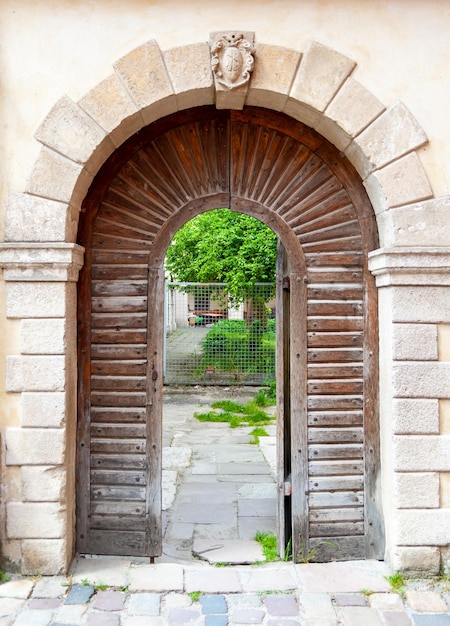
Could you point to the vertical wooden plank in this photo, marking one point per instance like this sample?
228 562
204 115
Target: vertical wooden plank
299 423
373 521
154 411
283 404
84 405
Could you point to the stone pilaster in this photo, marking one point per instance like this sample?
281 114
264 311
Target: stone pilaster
41 293
414 303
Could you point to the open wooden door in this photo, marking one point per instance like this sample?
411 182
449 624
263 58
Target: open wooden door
284 470
292 431
281 172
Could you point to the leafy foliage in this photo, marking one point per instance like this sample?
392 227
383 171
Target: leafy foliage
224 246
232 346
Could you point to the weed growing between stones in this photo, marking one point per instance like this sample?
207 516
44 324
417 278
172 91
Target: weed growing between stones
397 583
256 433
237 414
4 577
195 595
268 543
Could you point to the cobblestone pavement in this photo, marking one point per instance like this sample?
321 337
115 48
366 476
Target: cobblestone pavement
179 590
114 592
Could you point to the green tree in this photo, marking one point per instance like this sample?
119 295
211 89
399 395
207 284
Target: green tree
224 246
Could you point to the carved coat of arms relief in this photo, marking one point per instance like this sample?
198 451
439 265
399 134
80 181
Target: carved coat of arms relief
232 59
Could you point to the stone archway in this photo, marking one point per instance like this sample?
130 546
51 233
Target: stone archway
41 261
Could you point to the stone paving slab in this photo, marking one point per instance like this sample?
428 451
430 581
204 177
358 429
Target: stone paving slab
162 577
344 577
229 551
426 601
249 526
111 572
224 579
204 513
16 589
258 507
243 469
253 491
356 616
268 578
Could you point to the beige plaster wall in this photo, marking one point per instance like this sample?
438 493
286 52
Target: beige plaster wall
56 47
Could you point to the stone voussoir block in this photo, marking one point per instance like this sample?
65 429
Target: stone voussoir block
71 132
415 416
35 373
423 223
112 108
415 342
42 336
353 108
402 182
421 379
321 73
416 490
390 136
35 446
272 77
29 218
144 74
59 178
422 453
34 520
189 69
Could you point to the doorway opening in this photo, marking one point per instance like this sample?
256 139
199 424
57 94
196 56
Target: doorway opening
277 170
219 454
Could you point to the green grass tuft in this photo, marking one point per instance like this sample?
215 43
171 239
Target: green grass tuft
397 582
258 432
268 542
195 595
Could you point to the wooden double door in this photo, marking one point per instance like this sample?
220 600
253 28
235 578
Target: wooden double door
283 173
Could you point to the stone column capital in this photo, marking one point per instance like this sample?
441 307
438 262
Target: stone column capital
41 262
410 266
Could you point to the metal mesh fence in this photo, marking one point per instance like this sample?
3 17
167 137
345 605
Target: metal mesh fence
213 338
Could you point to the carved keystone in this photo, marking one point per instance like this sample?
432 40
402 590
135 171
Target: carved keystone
232 62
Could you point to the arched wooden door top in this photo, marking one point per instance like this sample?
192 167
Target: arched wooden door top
277 163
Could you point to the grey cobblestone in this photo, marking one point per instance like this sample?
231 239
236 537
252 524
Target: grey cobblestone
54 603
213 604
396 618
431 620
79 594
109 601
282 605
144 604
